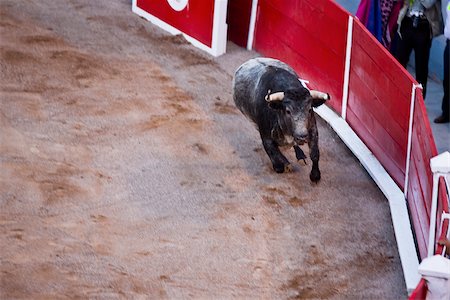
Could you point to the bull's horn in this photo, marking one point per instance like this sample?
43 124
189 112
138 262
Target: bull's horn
320 95
278 96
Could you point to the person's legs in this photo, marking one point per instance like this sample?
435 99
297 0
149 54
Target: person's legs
446 83
403 47
422 45
445 117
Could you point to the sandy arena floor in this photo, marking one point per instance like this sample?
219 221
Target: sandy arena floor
127 172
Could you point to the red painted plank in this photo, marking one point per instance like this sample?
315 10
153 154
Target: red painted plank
293 41
423 170
313 12
238 20
379 54
379 96
270 45
299 37
420 232
378 124
420 291
419 196
387 91
330 23
423 149
381 73
359 126
366 101
420 193
420 220
196 20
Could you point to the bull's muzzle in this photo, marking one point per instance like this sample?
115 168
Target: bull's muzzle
301 139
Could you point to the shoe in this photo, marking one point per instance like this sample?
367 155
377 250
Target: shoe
442 119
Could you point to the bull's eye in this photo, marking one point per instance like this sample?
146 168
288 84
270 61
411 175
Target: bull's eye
288 111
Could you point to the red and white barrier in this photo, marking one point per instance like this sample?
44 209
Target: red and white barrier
202 22
381 114
434 269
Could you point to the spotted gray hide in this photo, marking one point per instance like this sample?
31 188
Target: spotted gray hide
268 92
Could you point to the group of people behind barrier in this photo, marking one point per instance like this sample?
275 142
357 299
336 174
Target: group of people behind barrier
406 25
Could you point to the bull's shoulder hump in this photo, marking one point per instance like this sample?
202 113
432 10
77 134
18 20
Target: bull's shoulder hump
258 66
275 63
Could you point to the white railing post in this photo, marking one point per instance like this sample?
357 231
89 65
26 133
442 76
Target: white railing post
251 27
348 55
220 28
436 272
435 269
410 127
432 233
440 166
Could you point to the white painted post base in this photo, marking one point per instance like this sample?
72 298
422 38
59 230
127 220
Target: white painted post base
436 272
440 166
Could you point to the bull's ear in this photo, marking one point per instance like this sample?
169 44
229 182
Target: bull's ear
276 104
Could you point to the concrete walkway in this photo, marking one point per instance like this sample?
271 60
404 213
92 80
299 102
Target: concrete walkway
433 102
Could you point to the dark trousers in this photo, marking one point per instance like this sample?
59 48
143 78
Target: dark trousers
417 39
446 99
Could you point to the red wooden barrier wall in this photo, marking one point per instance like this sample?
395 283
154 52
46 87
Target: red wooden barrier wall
311 37
308 35
420 188
238 20
196 20
379 102
420 176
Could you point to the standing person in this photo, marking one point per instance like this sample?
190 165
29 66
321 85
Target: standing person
418 22
445 117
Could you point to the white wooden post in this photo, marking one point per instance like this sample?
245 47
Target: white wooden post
251 27
440 166
348 55
410 127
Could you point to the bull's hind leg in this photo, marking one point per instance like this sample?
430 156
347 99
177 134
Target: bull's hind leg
279 161
314 149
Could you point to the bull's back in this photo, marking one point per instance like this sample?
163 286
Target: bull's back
246 83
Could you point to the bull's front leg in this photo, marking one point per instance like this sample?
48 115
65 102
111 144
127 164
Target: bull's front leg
313 144
299 154
279 161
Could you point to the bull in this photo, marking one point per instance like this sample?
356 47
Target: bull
269 93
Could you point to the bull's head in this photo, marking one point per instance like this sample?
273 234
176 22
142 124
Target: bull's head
296 107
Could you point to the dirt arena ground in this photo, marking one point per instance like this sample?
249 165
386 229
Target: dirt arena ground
127 172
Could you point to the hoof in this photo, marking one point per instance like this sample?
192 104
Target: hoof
314 176
302 162
299 154
283 168
288 168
